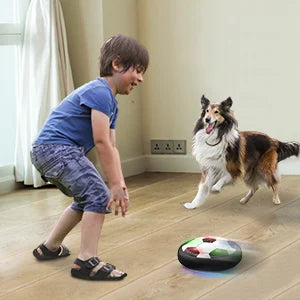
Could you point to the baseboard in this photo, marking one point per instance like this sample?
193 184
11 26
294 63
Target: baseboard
171 163
130 167
187 163
7 179
133 166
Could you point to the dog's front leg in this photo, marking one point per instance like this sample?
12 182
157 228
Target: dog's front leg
202 194
225 179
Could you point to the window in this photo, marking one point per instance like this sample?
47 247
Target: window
8 13
12 18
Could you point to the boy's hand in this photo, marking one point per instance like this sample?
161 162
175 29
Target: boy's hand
119 195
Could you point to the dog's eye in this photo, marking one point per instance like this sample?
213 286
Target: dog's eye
216 112
207 110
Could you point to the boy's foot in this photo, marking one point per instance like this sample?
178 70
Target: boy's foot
94 269
43 253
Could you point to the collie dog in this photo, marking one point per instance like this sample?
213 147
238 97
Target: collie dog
224 153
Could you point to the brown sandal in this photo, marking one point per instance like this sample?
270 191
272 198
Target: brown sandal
47 254
83 268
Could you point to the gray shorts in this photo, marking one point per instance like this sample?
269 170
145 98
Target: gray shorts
71 171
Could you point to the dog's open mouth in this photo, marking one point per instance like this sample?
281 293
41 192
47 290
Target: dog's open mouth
210 127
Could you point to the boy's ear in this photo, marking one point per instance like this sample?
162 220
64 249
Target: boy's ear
226 104
116 65
204 102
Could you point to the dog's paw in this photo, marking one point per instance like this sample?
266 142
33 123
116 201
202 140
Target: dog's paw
244 200
216 189
189 205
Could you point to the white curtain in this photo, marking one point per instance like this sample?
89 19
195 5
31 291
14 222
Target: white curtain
45 80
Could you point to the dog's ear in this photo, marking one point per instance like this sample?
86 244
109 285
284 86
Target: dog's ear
204 102
226 104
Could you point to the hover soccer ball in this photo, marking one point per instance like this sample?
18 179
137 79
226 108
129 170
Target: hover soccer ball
209 254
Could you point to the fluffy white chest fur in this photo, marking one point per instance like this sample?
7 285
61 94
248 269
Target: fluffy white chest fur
212 156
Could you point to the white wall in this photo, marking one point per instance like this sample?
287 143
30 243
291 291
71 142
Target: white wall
170 30
83 20
248 50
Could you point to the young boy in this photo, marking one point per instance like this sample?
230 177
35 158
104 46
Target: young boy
84 119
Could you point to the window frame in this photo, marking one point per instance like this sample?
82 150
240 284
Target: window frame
12 33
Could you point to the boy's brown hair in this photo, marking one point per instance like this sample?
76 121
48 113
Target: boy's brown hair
129 52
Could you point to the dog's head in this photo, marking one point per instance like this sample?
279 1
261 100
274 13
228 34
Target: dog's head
215 116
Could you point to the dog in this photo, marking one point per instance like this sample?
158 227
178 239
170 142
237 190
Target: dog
224 154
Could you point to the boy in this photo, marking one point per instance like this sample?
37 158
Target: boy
84 119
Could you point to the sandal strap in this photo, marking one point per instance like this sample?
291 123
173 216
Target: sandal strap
61 251
86 267
49 253
105 271
92 262
46 254
89 264
64 251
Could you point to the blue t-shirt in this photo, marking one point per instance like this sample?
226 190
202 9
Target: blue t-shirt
70 122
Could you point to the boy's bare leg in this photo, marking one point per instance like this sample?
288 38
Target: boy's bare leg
90 234
64 225
91 228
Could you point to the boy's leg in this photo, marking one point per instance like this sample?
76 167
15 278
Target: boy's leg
64 225
91 227
90 234
91 196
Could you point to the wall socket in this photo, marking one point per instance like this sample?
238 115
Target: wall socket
168 146
179 146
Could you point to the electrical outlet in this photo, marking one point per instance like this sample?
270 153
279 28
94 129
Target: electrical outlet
179 147
168 147
156 146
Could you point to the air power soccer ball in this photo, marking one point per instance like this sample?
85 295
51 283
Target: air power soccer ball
209 254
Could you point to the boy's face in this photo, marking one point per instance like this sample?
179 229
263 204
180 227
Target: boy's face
125 82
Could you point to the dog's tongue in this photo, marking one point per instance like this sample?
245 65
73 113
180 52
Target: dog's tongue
209 128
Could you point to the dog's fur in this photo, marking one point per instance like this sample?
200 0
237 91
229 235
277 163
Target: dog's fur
224 153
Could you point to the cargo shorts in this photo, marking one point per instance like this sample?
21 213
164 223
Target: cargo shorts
67 167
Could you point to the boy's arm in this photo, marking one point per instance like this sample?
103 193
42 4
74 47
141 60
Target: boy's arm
113 141
110 161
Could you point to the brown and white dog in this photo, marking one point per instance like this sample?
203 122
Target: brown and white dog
224 153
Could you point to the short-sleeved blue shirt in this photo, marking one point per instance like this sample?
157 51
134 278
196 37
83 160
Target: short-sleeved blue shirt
70 122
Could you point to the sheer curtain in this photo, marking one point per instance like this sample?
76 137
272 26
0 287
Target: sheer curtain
45 79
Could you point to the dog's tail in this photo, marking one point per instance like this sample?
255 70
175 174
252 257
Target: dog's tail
286 150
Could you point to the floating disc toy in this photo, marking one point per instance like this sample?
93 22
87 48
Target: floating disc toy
209 254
